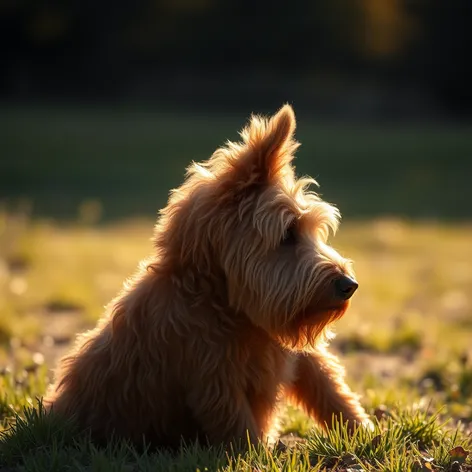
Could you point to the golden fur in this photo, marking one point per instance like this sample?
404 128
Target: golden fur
229 314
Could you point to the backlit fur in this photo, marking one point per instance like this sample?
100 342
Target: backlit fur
229 314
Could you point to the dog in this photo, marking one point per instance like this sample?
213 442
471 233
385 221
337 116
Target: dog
230 314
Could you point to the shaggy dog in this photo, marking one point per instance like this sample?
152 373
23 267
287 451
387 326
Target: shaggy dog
229 314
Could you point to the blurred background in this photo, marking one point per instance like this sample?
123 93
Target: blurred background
103 104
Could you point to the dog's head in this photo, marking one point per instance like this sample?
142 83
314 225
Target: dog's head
242 216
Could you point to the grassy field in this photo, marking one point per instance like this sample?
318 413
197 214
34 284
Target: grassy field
73 177
128 159
405 342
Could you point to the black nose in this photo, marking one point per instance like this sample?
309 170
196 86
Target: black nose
345 287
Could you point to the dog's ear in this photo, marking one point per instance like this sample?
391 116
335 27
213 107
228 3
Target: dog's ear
269 143
264 154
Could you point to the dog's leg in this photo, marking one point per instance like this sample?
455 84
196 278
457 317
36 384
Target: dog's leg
319 388
224 415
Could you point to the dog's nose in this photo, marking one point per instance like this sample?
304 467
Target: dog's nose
345 287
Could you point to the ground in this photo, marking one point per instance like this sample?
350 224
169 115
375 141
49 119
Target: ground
405 342
67 172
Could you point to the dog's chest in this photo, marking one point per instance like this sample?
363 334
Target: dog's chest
267 369
267 365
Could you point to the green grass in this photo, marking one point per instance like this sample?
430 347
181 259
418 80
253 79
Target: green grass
127 160
405 343
413 440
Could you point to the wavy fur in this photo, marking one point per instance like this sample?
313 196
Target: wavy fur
226 316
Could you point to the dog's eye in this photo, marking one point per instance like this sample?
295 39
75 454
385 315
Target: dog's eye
290 236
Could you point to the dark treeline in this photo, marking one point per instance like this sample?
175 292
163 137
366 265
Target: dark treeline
389 57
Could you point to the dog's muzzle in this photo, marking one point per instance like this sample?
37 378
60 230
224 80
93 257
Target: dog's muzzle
345 287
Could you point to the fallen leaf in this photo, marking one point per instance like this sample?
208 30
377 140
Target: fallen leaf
427 463
459 453
349 459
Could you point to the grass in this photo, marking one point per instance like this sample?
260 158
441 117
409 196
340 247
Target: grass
405 343
127 159
414 440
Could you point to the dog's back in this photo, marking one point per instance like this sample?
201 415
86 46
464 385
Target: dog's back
134 376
